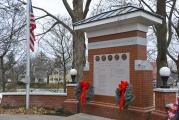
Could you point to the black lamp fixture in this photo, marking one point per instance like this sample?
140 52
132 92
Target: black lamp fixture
73 73
165 74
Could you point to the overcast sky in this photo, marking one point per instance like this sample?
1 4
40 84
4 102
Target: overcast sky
52 6
55 7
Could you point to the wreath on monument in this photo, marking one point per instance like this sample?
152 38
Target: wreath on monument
124 96
173 112
84 92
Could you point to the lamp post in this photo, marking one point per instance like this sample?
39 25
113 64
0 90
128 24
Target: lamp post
165 73
73 73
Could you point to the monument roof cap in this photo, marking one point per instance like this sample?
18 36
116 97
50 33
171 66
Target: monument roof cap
116 13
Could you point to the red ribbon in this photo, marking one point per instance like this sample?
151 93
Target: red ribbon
122 90
84 86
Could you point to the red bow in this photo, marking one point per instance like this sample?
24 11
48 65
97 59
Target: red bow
122 90
84 86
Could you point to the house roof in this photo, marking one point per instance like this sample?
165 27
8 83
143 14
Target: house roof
114 13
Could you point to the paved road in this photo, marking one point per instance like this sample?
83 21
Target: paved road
29 117
79 116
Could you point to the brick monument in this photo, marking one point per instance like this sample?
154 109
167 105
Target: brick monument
117 51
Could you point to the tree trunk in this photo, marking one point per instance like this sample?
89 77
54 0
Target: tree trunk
64 78
177 63
78 41
3 75
48 78
177 70
64 68
161 33
78 53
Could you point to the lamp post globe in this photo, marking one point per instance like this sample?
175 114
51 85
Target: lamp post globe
165 71
73 73
165 74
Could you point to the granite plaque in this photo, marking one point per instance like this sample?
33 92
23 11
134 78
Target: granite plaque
109 70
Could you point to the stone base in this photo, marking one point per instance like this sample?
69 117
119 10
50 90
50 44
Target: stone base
157 115
71 105
111 111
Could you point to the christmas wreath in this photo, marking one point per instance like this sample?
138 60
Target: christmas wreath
84 92
124 95
173 112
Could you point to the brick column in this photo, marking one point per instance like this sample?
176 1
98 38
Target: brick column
163 96
142 87
140 73
71 104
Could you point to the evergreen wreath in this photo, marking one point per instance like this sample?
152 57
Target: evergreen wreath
84 95
173 112
124 96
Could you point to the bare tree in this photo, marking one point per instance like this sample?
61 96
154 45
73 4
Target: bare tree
59 41
173 51
39 67
164 32
77 12
11 29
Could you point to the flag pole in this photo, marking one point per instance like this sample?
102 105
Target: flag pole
28 55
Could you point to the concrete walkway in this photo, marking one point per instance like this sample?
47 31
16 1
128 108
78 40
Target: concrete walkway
79 116
82 116
29 117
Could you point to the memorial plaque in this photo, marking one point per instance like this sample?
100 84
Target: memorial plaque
109 72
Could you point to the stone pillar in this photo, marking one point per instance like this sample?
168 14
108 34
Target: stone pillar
71 104
162 97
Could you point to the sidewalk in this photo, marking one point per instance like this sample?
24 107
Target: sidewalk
29 117
82 116
79 116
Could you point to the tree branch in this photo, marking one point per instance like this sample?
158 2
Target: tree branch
48 29
147 6
168 53
70 11
54 17
176 28
86 8
50 15
41 17
170 23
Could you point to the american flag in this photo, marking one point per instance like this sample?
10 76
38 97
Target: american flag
32 27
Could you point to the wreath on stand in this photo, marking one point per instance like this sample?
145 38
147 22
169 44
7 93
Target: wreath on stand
84 92
124 96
